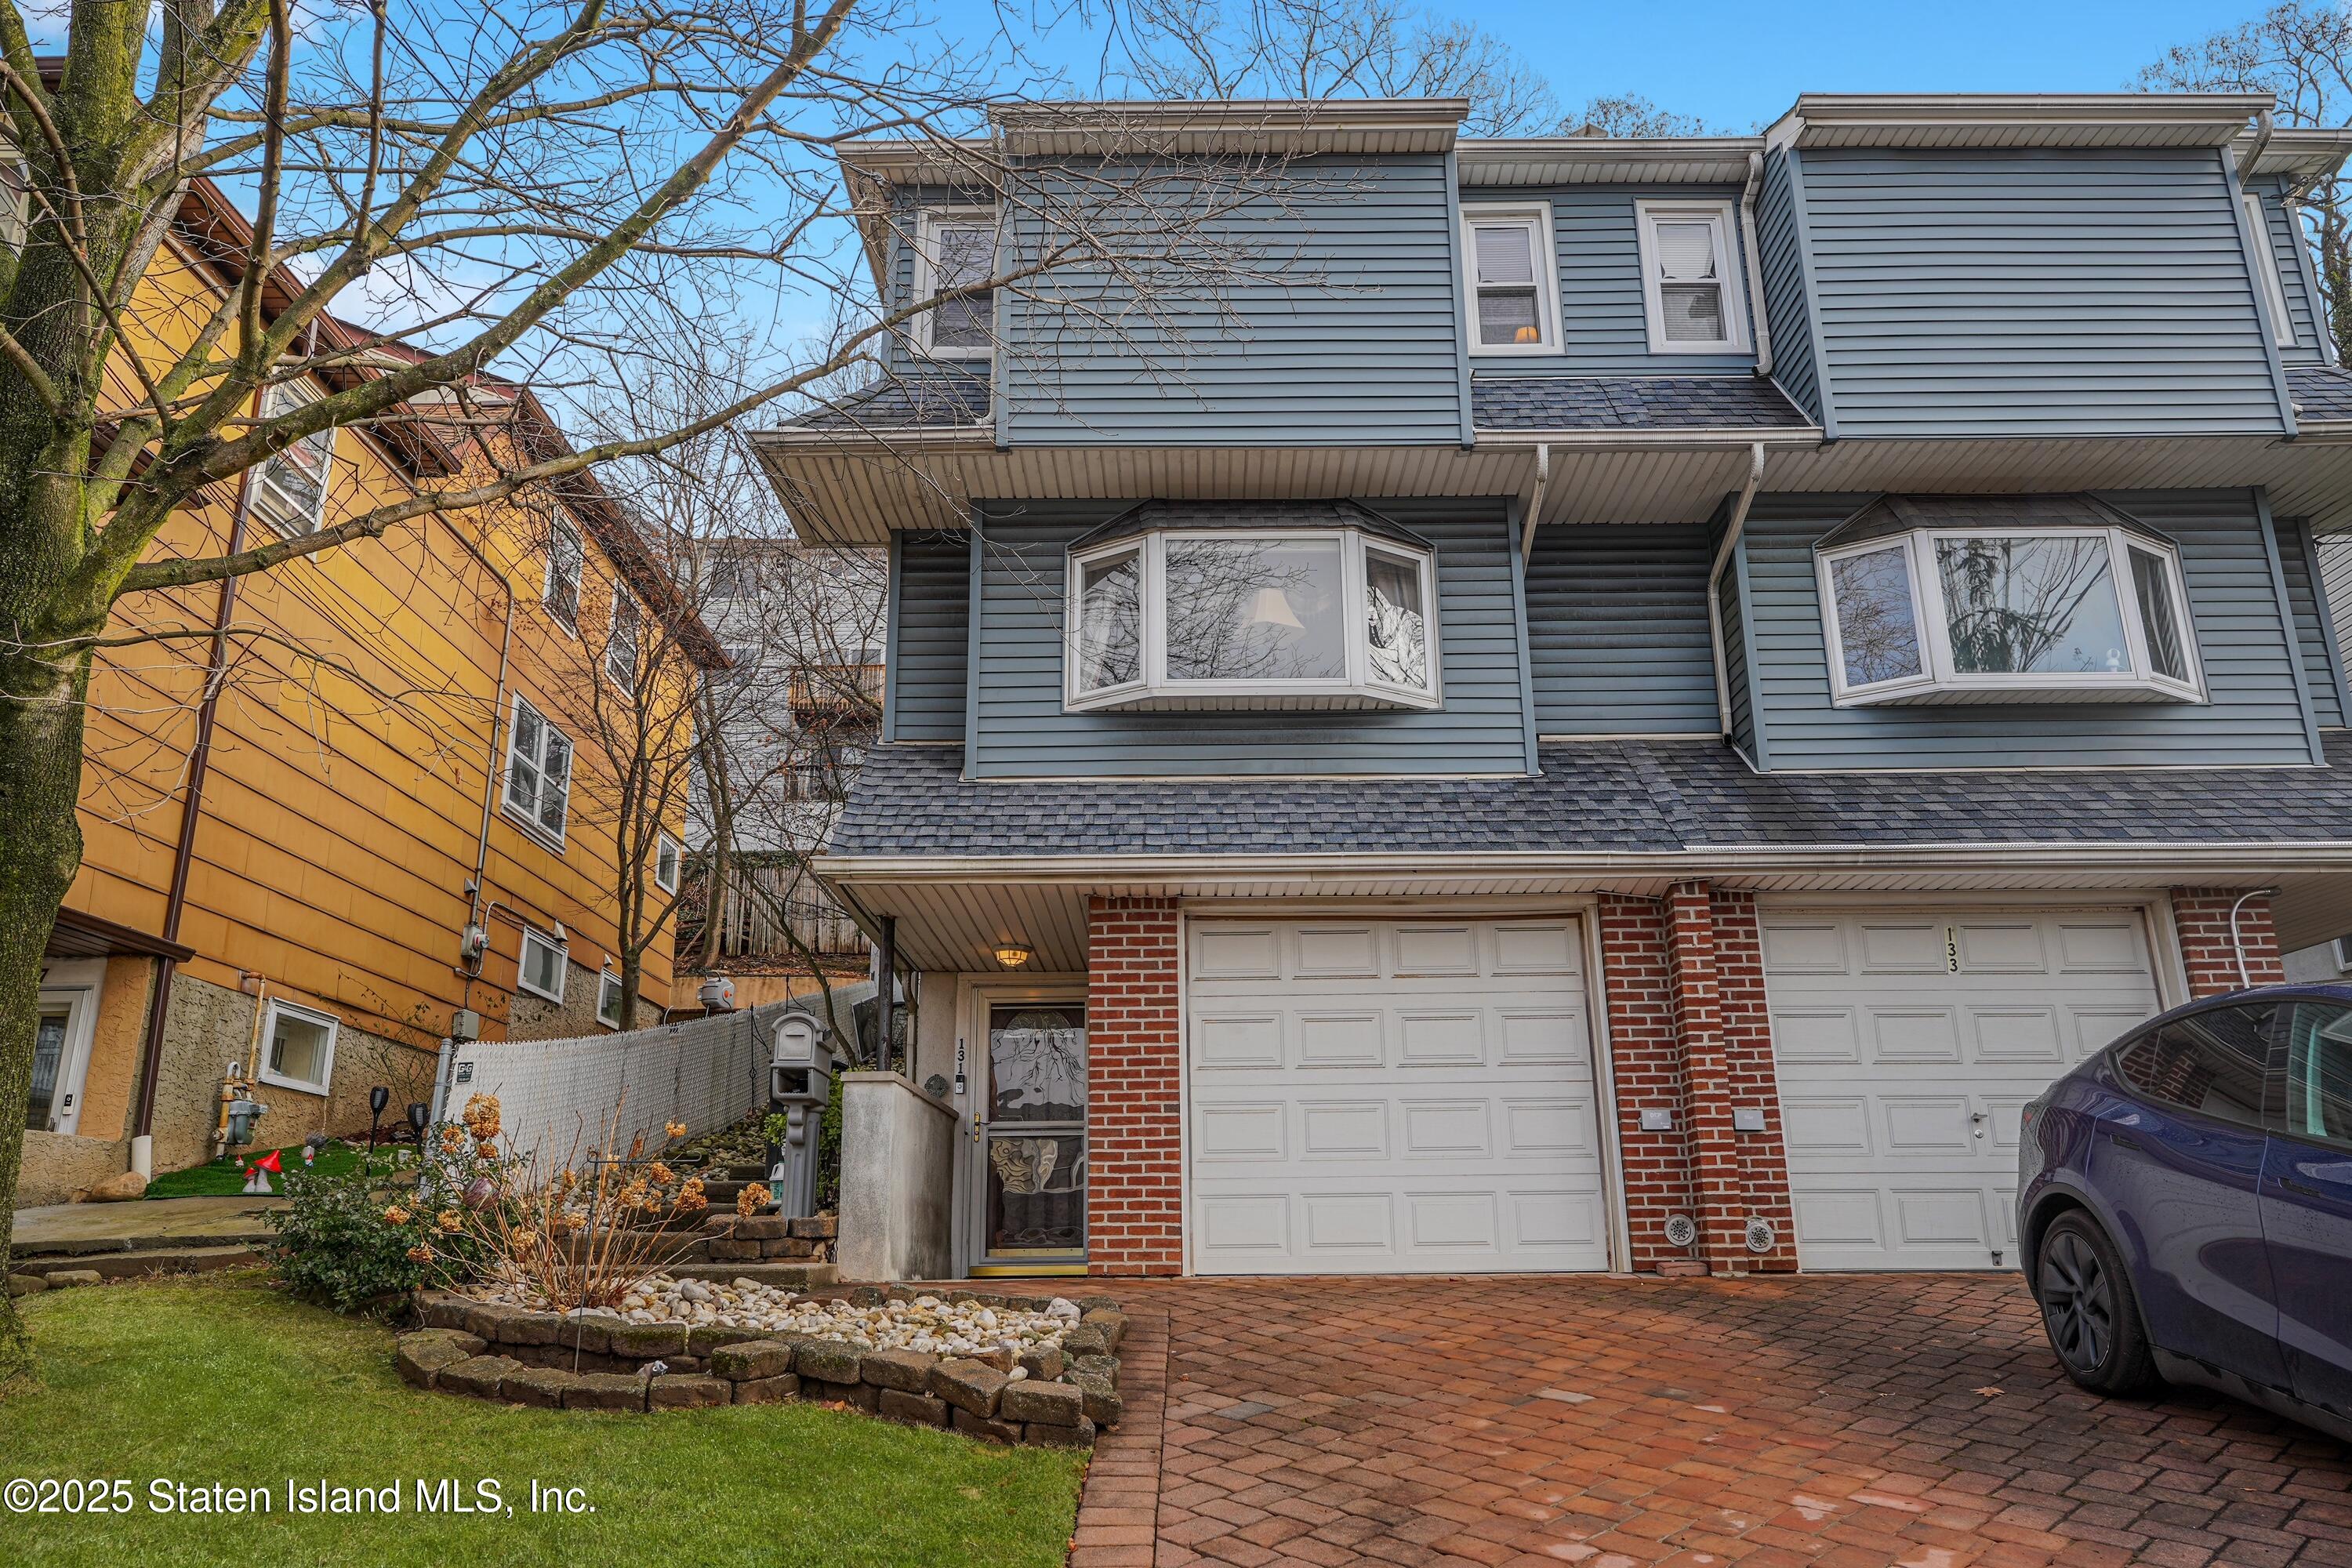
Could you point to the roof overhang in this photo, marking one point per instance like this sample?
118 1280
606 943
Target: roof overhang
2017 120
2303 154
953 911
80 935
844 490
1607 160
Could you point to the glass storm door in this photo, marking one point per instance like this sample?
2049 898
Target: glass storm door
1029 1139
42 1115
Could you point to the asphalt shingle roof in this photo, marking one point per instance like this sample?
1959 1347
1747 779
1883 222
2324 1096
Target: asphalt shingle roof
2320 391
934 400
1630 402
1639 796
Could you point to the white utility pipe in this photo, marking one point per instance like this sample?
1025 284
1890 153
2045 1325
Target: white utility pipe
1535 502
1731 533
1754 263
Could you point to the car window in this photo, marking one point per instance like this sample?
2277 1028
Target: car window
2210 1062
2320 1072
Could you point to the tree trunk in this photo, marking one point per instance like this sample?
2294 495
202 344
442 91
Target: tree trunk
40 780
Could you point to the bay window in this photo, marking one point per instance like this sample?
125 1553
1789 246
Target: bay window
1337 618
1990 615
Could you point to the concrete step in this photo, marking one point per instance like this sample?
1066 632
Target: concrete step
783 1276
747 1171
99 1246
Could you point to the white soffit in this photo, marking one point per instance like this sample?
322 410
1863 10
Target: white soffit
1607 161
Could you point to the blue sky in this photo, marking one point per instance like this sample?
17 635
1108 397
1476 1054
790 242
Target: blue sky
1735 64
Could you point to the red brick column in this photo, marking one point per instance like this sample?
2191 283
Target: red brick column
2201 918
1748 1062
1707 1092
1645 1057
1134 1129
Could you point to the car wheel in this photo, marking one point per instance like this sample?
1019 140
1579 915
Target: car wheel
2089 1309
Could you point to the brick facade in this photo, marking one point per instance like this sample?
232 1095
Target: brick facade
1689 1033
2201 918
1135 1222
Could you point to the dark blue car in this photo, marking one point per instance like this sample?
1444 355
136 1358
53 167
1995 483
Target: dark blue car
2185 1202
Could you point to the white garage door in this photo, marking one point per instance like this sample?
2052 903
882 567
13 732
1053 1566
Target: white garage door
1907 1042
1391 1097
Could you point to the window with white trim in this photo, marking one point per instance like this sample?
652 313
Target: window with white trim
1989 615
2266 268
16 198
953 248
670 857
544 965
298 1048
1690 277
1333 617
608 999
1513 284
538 773
622 639
2344 954
289 489
564 559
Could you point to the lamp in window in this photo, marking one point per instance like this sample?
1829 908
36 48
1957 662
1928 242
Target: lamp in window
1271 607
1528 335
1013 955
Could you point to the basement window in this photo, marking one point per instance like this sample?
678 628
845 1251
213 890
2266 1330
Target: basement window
299 1053
1991 615
544 965
608 999
1333 617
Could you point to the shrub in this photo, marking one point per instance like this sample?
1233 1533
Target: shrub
334 1247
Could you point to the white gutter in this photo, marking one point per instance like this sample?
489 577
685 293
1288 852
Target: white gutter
1536 503
1687 440
1754 263
1731 533
2155 861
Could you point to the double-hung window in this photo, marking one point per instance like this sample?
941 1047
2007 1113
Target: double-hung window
1991 615
544 964
621 642
564 557
2266 269
1512 282
954 250
289 489
538 773
1690 278
1293 618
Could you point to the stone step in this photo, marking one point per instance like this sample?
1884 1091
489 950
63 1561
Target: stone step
137 1265
783 1276
748 1171
99 1246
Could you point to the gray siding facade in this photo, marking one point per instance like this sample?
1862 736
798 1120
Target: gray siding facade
930 589
2316 630
1788 307
1321 311
2292 260
2254 676
1596 239
2028 293
1617 626
1018 729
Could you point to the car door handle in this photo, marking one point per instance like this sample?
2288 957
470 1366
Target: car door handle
2120 1139
2298 1189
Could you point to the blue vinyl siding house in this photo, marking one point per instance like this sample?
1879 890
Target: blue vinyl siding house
1577 703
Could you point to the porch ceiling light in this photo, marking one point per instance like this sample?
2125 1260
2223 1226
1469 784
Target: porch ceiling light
1013 955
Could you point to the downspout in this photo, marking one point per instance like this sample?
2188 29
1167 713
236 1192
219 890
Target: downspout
2265 123
184 852
1731 533
1754 263
475 910
1535 504
2237 942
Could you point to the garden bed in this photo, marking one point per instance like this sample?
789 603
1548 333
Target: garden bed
1013 1369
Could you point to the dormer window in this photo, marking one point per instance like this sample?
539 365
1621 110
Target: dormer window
1989 613
1512 306
1329 617
1687 277
953 250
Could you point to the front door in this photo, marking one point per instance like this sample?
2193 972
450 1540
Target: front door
52 1098
1027 1181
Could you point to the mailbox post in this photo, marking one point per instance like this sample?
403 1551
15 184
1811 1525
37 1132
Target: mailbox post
799 1083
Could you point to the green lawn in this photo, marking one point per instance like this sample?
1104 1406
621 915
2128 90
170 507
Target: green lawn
225 1178
232 1383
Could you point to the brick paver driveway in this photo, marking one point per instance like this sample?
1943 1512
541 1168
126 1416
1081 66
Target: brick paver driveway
1856 1420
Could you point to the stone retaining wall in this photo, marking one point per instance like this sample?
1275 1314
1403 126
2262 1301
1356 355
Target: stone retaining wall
1061 1395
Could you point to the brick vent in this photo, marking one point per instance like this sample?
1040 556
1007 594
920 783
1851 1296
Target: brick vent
1135 1222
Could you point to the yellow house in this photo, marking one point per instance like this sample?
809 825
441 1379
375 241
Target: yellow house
339 809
